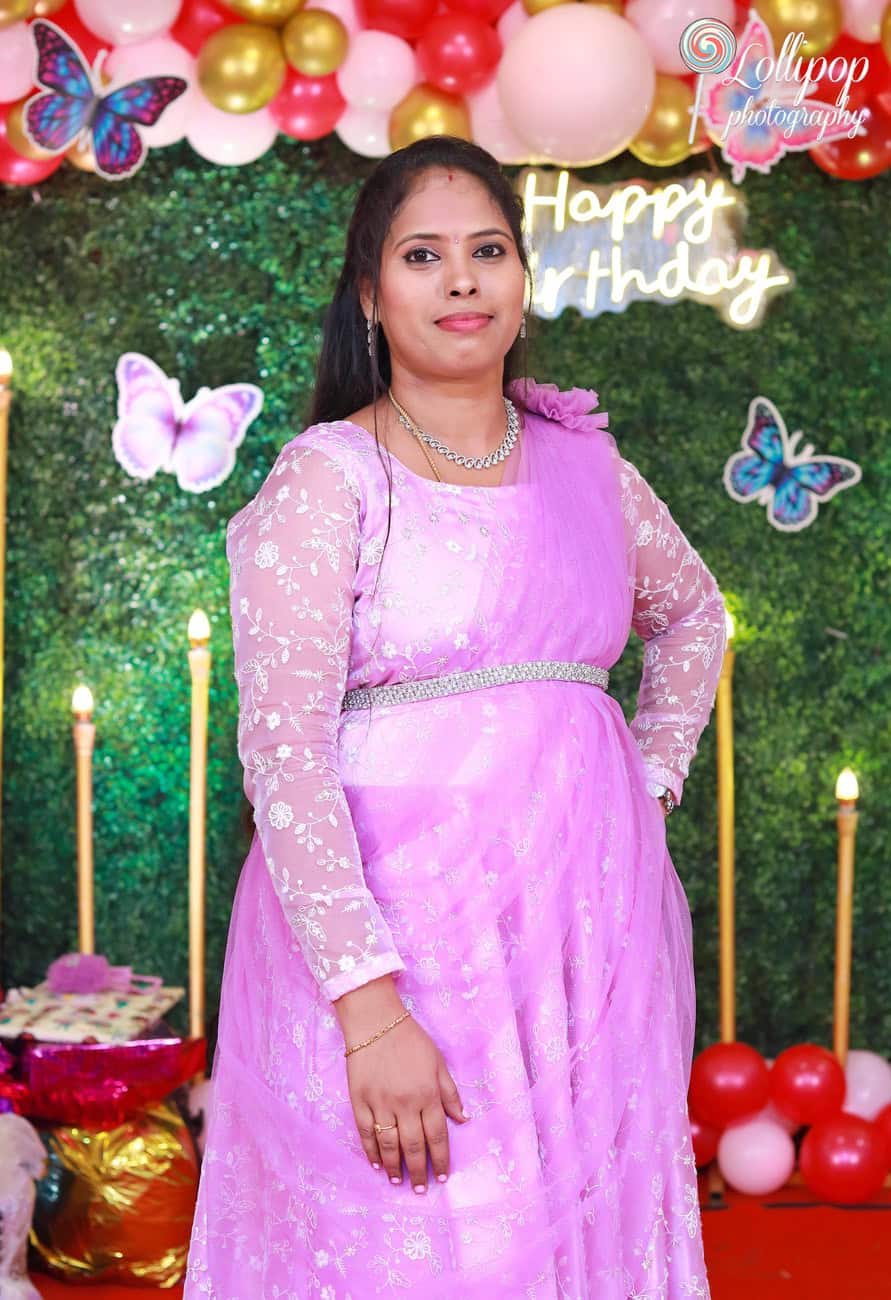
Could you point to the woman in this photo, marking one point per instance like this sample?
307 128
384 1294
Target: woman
459 947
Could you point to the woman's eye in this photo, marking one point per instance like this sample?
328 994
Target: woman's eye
487 249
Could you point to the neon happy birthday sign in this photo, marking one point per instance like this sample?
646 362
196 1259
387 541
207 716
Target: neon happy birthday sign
598 248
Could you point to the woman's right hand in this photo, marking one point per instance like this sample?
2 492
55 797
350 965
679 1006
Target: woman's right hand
402 1077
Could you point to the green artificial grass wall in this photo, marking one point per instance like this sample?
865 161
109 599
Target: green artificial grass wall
223 274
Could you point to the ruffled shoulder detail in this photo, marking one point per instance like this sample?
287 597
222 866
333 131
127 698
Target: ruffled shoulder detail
571 407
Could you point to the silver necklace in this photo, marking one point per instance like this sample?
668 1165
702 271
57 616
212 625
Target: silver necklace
470 462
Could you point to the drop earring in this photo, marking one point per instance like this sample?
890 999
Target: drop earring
370 331
523 326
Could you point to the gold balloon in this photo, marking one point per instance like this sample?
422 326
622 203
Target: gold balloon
241 67
315 42
45 8
886 33
82 157
820 20
536 6
14 11
274 12
662 140
427 111
15 134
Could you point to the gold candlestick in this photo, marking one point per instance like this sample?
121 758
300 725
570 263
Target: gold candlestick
84 738
5 403
847 793
199 666
726 844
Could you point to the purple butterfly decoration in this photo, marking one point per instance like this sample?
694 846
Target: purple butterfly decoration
772 472
195 440
70 105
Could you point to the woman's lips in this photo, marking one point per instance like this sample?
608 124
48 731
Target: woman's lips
463 324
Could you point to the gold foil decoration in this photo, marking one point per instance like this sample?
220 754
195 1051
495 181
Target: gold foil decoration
46 8
117 1204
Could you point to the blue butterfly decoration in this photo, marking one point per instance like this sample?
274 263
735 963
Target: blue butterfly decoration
771 471
70 105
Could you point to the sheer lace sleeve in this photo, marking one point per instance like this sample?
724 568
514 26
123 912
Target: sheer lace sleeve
293 552
679 613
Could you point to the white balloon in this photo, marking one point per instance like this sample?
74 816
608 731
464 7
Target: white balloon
17 62
756 1156
158 57
378 71
365 131
230 139
868 1078
123 22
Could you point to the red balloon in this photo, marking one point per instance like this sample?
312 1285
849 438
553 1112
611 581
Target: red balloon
807 1083
844 1159
728 1081
84 39
307 107
458 53
488 11
882 1122
865 155
876 81
405 18
199 19
705 1141
16 170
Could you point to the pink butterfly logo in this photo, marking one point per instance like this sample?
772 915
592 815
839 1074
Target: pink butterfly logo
194 440
763 121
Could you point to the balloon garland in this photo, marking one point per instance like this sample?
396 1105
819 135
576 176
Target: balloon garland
533 81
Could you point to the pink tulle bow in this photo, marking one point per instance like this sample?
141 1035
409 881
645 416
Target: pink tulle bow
570 407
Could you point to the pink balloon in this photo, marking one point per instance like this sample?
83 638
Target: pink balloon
661 24
756 1156
577 82
490 129
160 56
365 131
230 139
345 10
510 22
378 71
868 1078
17 62
124 22
863 19
775 1116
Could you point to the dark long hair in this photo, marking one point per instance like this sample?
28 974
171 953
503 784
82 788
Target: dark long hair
347 376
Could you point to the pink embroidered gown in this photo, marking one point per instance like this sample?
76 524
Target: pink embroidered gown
498 850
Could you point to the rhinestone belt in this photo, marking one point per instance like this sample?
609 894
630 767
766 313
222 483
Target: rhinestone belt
475 678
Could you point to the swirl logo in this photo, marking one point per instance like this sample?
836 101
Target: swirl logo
707 46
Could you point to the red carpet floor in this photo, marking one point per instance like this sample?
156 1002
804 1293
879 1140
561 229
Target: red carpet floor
781 1247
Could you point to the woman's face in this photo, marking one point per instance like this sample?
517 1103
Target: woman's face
449 250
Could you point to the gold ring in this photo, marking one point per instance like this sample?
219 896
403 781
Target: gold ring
379 1128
